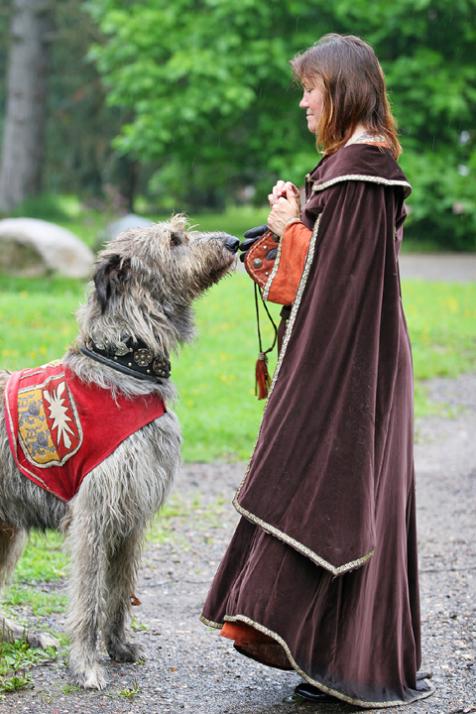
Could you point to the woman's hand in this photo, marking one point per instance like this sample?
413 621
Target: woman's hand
283 210
282 188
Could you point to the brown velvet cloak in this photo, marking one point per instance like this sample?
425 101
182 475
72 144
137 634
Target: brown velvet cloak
330 488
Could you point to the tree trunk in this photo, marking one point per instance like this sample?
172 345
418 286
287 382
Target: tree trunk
24 130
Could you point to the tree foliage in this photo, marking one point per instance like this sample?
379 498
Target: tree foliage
208 86
202 81
199 95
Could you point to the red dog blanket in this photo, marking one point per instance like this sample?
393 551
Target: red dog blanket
60 428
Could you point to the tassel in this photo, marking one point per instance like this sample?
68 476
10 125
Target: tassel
263 380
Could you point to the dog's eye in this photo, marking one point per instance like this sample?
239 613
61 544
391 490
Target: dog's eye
176 238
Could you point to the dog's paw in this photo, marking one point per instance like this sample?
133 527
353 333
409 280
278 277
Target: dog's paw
93 678
124 651
85 670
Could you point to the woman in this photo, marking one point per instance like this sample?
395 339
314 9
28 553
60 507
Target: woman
321 573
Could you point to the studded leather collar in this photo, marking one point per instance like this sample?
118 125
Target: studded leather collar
131 356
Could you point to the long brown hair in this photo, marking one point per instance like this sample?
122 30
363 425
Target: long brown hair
354 90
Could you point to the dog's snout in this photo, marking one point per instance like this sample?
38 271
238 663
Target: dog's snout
232 243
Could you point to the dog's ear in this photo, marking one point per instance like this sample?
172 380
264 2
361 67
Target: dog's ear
177 238
109 278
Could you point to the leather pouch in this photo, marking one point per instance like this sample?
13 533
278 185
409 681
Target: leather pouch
276 265
261 257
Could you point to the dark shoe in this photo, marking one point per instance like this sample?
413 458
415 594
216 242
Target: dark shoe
313 694
424 674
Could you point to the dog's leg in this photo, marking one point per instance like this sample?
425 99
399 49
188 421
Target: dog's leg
109 514
87 589
12 542
121 577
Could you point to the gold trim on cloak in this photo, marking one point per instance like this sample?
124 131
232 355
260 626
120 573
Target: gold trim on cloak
323 185
323 687
272 530
346 567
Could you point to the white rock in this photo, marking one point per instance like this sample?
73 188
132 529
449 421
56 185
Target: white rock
30 247
130 220
112 230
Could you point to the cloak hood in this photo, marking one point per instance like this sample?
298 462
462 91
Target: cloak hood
358 162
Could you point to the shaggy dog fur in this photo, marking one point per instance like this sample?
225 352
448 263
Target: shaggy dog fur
145 282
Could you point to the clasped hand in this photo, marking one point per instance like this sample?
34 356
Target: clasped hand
285 205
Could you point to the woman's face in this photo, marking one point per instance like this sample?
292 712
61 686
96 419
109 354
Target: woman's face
312 101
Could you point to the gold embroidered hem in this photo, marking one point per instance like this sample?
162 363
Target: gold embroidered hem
304 550
316 683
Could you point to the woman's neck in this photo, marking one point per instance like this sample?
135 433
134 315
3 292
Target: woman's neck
359 129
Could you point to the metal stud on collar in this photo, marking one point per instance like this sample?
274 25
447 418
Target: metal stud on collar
131 356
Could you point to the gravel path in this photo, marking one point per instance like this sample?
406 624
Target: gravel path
459 267
190 668
451 267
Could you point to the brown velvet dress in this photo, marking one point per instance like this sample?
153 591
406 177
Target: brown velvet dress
324 559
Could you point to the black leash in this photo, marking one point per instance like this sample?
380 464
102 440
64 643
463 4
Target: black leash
258 326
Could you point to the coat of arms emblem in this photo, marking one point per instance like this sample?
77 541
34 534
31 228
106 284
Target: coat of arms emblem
49 429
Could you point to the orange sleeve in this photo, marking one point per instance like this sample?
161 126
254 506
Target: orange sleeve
286 275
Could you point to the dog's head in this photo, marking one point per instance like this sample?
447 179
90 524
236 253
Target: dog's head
154 273
166 260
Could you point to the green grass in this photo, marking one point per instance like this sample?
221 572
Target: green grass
215 375
235 220
44 560
130 692
15 661
71 689
37 319
37 602
163 529
442 322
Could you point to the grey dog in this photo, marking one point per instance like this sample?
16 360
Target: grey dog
144 285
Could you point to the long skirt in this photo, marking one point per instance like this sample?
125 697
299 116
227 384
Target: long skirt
355 636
